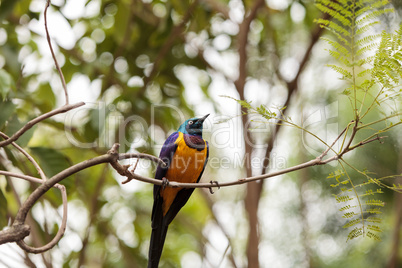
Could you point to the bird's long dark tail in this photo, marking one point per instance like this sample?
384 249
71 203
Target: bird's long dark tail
156 245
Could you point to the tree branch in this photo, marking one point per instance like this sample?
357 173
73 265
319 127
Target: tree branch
253 189
19 230
14 233
60 232
53 55
111 157
28 156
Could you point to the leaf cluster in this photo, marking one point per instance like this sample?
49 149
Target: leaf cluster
360 207
371 65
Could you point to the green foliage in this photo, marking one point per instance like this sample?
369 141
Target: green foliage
371 62
7 108
262 109
52 161
359 208
6 83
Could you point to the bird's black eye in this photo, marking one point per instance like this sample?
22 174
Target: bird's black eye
190 122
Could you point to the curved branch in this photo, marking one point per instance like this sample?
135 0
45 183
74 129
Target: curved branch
60 232
38 119
63 81
110 157
23 211
28 156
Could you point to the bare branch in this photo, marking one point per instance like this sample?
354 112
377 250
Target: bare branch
28 156
53 55
21 176
253 189
378 138
14 233
333 143
60 232
38 119
111 156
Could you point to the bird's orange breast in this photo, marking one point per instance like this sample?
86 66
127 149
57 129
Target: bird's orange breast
186 166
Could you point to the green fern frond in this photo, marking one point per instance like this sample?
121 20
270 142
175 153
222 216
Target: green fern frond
367 83
337 46
334 27
374 202
396 187
336 6
371 192
371 63
373 236
345 21
366 49
366 27
347 207
349 215
374 228
345 73
243 103
356 232
343 198
368 5
356 210
367 40
373 15
396 42
352 223
338 56
373 211
374 219
336 174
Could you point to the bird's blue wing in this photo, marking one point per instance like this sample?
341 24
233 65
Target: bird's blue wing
158 228
166 154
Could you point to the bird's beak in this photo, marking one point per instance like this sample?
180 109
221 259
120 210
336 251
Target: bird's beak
203 118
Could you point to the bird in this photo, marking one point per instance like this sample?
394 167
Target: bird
185 154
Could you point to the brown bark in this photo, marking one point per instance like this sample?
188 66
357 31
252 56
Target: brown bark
253 188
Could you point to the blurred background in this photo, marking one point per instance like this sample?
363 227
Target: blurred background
143 67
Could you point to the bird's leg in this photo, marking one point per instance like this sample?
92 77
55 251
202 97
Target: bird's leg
165 183
217 184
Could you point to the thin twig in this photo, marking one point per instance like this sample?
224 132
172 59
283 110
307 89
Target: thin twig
132 171
21 176
38 119
332 145
28 156
63 81
378 138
